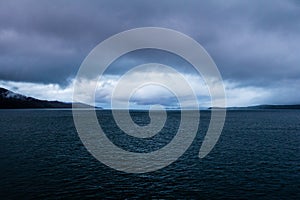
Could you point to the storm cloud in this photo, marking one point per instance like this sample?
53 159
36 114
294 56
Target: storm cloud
255 44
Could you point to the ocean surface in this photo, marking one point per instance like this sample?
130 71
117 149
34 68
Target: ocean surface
257 156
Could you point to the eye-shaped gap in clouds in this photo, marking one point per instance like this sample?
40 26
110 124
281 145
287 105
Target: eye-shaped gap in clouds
143 56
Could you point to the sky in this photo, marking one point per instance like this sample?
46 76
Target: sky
255 45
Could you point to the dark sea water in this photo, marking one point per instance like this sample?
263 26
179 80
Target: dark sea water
257 156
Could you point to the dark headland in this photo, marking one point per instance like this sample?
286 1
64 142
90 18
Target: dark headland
11 100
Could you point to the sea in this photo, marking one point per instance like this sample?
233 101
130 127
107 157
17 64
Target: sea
256 157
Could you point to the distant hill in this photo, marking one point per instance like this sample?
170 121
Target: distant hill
296 106
275 107
11 100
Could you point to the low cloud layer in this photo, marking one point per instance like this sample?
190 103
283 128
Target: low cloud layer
148 95
255 44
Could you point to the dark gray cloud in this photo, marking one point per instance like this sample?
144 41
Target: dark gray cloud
254 43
